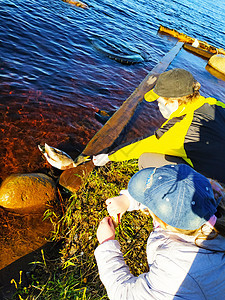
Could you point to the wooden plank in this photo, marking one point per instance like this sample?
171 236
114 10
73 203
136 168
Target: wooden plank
72 178
111 130
198 51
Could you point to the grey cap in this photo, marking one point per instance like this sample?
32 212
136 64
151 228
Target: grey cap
174 83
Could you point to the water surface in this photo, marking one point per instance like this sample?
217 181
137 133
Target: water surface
53 80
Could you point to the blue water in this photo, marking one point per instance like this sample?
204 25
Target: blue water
53 80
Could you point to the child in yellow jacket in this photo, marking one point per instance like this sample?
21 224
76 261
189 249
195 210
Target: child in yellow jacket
194 132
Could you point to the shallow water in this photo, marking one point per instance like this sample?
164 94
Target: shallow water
53 80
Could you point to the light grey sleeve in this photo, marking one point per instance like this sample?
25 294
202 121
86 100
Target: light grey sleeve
120 284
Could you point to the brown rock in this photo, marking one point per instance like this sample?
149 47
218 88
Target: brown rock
72 178
27 192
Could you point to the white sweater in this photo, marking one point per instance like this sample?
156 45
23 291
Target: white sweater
178 269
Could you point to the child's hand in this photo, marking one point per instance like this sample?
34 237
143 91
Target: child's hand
117 206
106 230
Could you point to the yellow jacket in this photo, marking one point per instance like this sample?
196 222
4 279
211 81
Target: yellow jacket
195 132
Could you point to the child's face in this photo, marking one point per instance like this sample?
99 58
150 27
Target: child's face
167 107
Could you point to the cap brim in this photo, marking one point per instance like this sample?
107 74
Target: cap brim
137 184
151 96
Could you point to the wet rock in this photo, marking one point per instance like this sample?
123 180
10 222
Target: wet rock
27 193
103 115
72 179
77 3
218 62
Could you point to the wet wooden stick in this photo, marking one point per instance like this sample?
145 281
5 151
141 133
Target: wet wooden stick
111 130
106 136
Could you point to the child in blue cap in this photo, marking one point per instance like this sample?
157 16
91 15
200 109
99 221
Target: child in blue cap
185 251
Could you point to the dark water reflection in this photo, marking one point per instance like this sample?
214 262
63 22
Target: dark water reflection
20 235
52 80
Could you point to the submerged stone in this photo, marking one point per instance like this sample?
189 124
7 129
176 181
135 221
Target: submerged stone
27 192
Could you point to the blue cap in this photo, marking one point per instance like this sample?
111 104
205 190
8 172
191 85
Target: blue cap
177 194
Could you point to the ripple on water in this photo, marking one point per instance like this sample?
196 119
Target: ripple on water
52 80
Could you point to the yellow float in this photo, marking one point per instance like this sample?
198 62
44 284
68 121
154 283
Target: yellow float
215 56
190 40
